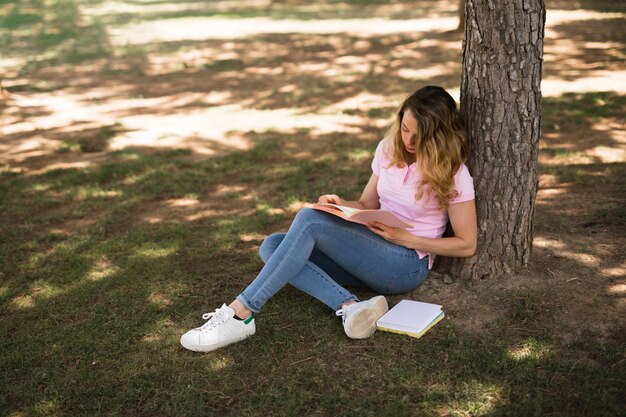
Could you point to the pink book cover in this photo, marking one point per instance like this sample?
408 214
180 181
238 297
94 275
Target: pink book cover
362 216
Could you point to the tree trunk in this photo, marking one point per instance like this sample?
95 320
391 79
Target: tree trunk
501 106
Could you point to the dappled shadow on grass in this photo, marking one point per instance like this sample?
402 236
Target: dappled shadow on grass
172 184
580 48
576 227
304 11
569 120
294 74
105 264
307 71
51 33
98 322
579 220
599 5
77 31
120 334
56 147
581 158
178 237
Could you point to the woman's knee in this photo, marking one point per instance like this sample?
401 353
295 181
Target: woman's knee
308 216
269 245
305 213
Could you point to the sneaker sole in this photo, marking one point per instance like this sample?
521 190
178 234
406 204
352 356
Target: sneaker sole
363 324
189 345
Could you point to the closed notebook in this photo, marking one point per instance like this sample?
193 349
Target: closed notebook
413 318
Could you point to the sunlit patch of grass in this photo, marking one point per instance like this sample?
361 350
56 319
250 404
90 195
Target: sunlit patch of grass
59 253
36 291
68 146
166 294
221 363
164 329
7 171
103 268
269 210
43 289
531 349
476 398
24 301
360 155
47 407
230 229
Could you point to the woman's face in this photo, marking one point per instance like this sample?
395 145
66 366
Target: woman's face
409 130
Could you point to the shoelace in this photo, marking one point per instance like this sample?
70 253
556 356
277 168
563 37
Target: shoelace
341 313
214 319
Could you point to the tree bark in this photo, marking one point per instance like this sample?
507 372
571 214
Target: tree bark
501 107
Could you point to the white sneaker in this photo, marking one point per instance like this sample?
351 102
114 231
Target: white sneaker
220 330
359 319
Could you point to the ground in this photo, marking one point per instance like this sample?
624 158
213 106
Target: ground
167 139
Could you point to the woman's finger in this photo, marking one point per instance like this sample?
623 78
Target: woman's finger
375 230
334 199
328 198
378 225
379 232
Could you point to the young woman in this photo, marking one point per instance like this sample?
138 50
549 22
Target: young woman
419 175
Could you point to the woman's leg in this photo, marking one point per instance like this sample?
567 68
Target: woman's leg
295 259
379 264
317 258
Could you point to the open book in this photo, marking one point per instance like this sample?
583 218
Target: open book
362 216
413 318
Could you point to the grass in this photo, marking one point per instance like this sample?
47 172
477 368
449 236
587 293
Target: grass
101 271
582 106
278 10
611 215
610 174
109 303
51 32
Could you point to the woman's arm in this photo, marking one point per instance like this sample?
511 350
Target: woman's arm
462 245
369 198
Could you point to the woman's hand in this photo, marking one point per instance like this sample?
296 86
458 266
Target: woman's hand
331 198
396 235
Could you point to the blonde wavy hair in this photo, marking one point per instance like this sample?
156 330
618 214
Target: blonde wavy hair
440 143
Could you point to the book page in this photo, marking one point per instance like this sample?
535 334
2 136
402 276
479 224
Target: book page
349 211
362 216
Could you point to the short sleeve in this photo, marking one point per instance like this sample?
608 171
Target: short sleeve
464 185
378 159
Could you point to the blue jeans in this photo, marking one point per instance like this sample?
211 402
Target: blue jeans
320 253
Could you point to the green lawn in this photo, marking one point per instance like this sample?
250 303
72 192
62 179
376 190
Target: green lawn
90 320
104 266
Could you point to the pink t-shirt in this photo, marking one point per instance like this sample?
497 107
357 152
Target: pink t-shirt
397 188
